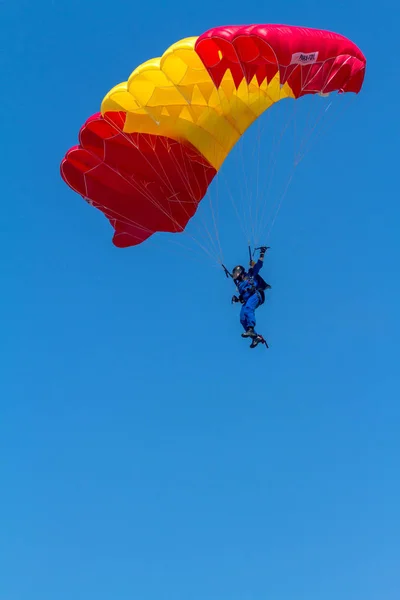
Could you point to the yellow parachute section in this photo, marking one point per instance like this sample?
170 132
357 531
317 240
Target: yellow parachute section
174 96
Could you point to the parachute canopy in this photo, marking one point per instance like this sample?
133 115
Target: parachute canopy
147 158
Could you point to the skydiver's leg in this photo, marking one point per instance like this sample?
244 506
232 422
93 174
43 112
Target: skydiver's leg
243 317
250 308
248 316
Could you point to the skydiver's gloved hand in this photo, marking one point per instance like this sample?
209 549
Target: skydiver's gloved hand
235 299
263 250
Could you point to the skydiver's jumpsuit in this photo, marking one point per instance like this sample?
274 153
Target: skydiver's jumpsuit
251 296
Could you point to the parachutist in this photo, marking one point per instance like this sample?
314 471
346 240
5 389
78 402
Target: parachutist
251 287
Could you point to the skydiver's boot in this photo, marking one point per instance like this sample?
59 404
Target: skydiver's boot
258 340
250 333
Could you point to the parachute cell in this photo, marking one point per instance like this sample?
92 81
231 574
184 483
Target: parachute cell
147 159
139 181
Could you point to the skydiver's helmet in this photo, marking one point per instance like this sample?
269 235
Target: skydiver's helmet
238 272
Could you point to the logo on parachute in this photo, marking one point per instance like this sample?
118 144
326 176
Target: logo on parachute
302 58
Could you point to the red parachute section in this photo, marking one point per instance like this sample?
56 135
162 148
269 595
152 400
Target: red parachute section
142 183
310 60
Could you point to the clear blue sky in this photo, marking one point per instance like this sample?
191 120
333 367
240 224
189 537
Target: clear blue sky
147 453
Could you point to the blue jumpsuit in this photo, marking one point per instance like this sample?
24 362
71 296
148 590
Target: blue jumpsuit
251 299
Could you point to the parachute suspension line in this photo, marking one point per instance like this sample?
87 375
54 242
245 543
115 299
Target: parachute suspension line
260 196
280 202
239 191
271 168
269 222
260 127
254 230
231 196
209 245
333 121
187 179
116 216
254 199
242 191
299 155
213 240
143 190
215 247
212 250
223 101
263 120
187 183
213 207
270 171
167 181
248 194
217 215
213 204
304 138
279 199
245 171
252 204
214 217
245 192
195 252
188 186
258 201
